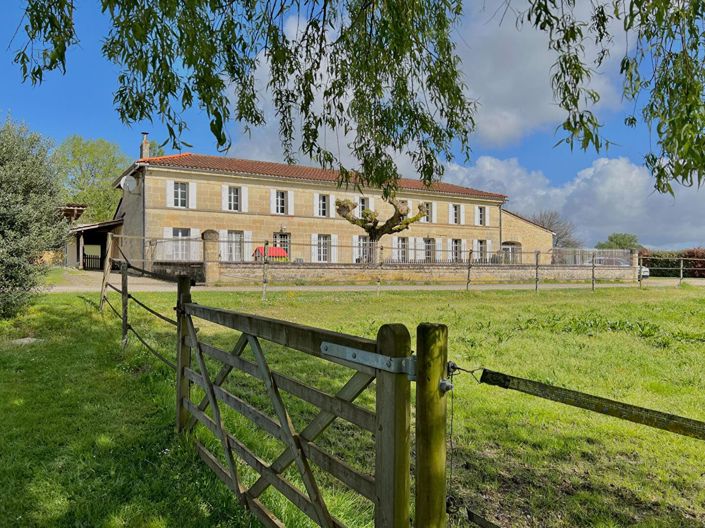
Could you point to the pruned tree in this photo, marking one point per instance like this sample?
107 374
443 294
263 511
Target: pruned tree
563 229
370 222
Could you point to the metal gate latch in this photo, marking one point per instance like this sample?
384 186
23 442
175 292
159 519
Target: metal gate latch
400 365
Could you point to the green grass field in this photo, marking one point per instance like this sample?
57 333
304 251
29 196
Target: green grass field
87 436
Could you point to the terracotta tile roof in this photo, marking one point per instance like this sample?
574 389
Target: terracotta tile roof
188 160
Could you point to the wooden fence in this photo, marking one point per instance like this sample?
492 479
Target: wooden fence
385 363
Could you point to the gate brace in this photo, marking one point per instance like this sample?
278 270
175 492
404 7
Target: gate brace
400 365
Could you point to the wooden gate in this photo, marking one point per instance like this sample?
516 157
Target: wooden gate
385 360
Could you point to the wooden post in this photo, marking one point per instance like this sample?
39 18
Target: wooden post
264 270
680 280
536 280
392 435
639 271
183 352
125 301
431 400
80 251
107 265
467 283
593 271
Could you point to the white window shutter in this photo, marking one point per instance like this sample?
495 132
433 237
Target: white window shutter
290 203
372 203
451 220
331 205
244 200
195 244
487 216
334 248
462 214
439 249
395 249
434 212
410 203
355 248
449 245
248 250
314 247
170 193
167 249
223 244
420 248
316 198
273 201
224 192
412 248
489 248
192 195
463 249
475 248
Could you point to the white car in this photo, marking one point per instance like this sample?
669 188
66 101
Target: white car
614 261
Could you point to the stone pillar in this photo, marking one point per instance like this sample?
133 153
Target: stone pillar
635 263
80 251
211 256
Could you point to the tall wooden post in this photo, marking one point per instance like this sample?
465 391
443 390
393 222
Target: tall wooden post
680 280
125 301
639 271
183 352
392 435
431 403
536 279
107 266
593 271
265 261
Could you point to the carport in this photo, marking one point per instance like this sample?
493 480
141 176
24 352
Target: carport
87 244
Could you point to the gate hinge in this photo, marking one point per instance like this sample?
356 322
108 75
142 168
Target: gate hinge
400 365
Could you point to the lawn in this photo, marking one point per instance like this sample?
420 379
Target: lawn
87 436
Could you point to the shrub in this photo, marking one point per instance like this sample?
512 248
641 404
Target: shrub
667 263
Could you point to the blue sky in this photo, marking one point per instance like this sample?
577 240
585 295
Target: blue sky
513 149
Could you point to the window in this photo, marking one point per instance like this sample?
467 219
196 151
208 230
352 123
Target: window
323 205
364 249
323 248
482 250
429 248
429 212
362 204
454 214
181 242
234 199
456 250
181 194
482 216
403 249
283 240
235 246
280 204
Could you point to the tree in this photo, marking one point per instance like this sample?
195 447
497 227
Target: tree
564 230
155 149
370 222
89 168
620 241
384 72
30 219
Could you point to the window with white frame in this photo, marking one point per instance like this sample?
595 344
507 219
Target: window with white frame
280 202
234 199
181 194
426 219
482 250
282 240
180 243
456 250
429 247
362 204
455 214
235 246
403 249
323 248
323 205
364 249
482 215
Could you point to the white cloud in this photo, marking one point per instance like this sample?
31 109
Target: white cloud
612 195
507 68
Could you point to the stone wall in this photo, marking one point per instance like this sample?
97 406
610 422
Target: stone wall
352 274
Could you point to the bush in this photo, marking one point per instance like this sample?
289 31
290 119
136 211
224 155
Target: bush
667 263
30 220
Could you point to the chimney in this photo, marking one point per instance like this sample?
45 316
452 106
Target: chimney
144 147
